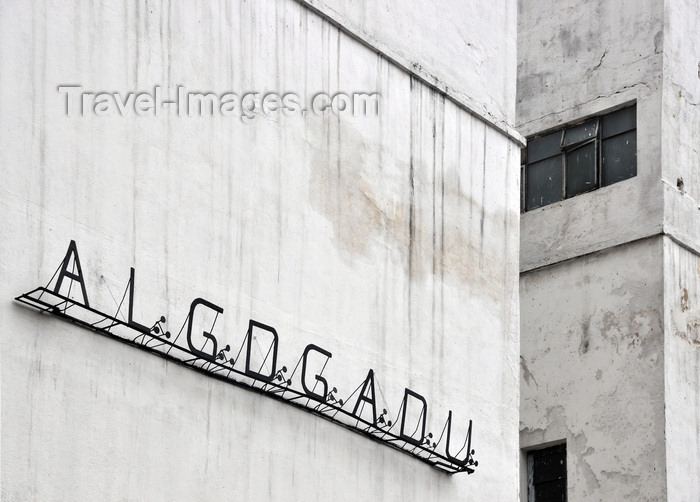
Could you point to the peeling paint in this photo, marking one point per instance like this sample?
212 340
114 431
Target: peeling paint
684 300
591 334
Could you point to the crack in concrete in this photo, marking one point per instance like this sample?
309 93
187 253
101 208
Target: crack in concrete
594 68
583 103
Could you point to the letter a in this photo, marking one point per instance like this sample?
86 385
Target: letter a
76 273
367 387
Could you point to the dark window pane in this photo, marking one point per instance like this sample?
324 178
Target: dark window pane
549 464
522 189
619 158
620 121
580 169
547 469
580 133
544 147
554 491
544 182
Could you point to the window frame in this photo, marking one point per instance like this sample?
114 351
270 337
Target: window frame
565 149
541 451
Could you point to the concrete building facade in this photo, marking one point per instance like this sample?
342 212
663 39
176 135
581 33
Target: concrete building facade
610 312
389 239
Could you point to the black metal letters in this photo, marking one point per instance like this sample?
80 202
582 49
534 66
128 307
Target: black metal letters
309 392
409 438
273 348
262 376
468 459
201 352
137 326
76 273
367 396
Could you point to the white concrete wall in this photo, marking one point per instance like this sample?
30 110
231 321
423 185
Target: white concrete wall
462 46
681 161
577 59
681 121
592 370
391 241
682 370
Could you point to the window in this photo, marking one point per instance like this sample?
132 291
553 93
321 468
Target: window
579 158
546 474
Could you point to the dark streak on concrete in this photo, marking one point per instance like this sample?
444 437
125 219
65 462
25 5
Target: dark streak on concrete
585 336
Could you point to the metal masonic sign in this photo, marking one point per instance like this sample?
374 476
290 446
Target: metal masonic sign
267 378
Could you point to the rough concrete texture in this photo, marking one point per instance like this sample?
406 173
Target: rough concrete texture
681 122
592 370
682 370
609 358
390 241
463 46
577 59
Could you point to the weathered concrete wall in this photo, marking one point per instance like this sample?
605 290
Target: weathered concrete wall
390 240
681 179
463 46
577 59
681 121
592 370
682 370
